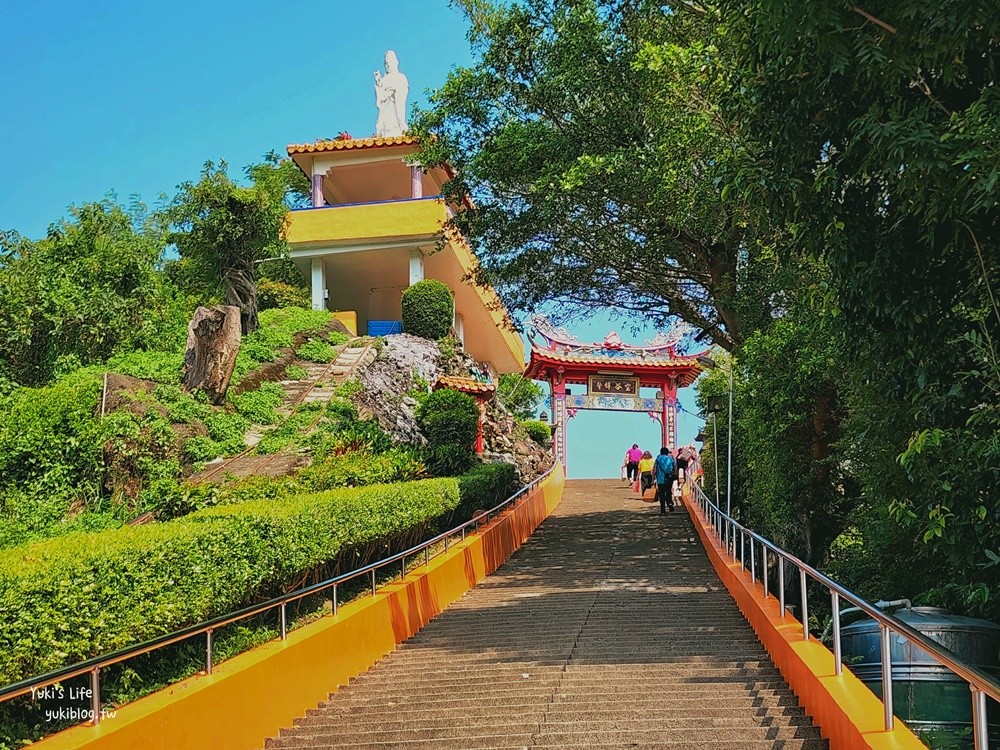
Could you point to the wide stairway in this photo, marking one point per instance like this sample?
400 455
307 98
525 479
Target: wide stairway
608 629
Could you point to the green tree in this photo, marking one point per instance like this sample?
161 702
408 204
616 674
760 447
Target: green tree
884 157
89 289
222 230
519 395
587 133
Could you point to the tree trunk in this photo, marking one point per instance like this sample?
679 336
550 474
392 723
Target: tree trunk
213 342
241 291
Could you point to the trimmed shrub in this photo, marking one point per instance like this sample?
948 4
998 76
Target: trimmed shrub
85 594
538 431
449 420
483 487
428 309
449 417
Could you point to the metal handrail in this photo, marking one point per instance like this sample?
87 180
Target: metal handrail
94 665
726 529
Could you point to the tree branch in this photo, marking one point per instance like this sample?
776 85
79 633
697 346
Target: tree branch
877 21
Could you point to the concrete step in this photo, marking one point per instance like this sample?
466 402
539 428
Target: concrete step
556 714
609 629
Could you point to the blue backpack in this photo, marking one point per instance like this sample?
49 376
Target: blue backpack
666 467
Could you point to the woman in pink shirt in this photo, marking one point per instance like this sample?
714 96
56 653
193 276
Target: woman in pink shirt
632 456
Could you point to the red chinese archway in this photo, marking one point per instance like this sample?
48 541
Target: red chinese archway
613 373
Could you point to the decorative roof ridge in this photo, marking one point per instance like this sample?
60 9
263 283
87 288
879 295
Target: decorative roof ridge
346 144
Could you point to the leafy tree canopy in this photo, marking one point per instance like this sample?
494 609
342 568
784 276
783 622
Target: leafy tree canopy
519 395
222 230
89 289
589 137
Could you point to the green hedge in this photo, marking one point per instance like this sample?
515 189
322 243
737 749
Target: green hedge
76 596
483 487
428 309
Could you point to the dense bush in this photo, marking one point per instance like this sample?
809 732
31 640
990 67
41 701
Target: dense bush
449 420
428 309
482 487
273 294
538 431
85 594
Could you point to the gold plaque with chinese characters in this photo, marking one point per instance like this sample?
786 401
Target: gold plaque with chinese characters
617 385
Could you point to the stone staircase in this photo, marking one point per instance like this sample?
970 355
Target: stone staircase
607 629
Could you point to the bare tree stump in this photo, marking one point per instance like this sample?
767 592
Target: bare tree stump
213 341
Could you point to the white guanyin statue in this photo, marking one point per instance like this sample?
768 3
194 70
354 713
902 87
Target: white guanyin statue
390 98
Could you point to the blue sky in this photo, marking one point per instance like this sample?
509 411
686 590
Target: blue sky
134 97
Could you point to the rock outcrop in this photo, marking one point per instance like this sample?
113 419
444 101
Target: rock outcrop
407 364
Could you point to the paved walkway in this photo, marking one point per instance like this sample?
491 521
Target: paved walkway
607 629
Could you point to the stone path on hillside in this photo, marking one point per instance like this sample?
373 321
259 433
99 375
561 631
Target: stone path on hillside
319 384
608 629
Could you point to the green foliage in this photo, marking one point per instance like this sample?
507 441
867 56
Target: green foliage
88 290
259 406
161 367
519 395
222 229
428 309
449 420
317 351
276 294
449 417
538 431
296 372
278 330
483 487
85 594
594 141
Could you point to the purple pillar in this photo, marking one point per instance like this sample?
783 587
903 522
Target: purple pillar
317 191
416 183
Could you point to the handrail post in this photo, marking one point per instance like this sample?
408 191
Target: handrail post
373 581
334 600
781 585
427 556
208 651
980 731
763 567
887 675
284 624
402 575
753 563
805 604
835 610
743 549
95 695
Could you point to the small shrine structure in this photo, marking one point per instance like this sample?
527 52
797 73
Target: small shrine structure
613 372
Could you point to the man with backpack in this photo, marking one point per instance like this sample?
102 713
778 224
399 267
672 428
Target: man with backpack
665 469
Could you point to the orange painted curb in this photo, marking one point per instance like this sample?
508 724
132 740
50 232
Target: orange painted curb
848 713
251 696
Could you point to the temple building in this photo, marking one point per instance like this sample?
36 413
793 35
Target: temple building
377 226
374 228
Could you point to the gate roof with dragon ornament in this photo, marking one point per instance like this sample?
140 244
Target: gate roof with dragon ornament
556 350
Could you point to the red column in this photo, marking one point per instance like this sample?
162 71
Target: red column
479 427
